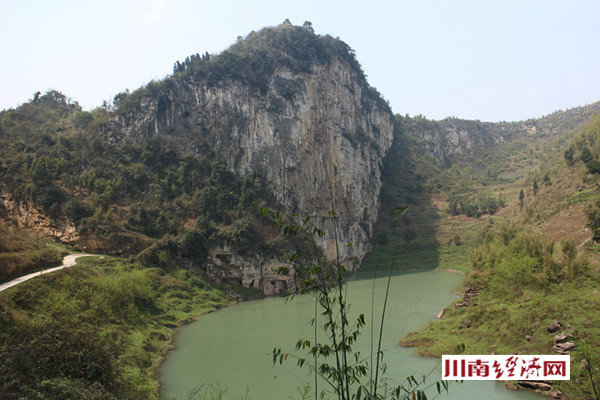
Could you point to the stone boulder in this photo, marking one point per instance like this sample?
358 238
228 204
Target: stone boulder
562 337
564 348
554 326
543 386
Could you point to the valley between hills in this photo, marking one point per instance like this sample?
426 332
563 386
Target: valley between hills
186 186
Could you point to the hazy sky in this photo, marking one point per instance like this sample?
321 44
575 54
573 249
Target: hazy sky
483 59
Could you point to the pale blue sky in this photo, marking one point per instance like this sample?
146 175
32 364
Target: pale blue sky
488 60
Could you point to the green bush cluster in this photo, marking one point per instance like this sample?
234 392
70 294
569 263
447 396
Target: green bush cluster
587 146
593 216
510 262
485 203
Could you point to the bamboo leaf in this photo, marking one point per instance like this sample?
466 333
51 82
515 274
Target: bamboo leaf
398 211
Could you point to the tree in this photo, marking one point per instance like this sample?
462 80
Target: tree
82 119
53 98
586 155
75 210
535 187
593 167
569 154
453 205
308 26
178 67
40 174
521 197
593 215
546 180
120 98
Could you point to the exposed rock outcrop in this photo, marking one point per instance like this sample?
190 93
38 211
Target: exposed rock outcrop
554 326
469 294
224 265
319 145
452 137
28 216
562 337
536 385
564 348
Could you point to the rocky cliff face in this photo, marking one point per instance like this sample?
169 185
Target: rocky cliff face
26 215
318 138
450 137
254 271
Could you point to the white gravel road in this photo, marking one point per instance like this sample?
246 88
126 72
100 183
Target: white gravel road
68 261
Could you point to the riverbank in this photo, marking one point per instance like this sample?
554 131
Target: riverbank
273 322
554 309
97 331
406 271
154 369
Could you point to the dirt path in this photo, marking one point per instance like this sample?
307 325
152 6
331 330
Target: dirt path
68 261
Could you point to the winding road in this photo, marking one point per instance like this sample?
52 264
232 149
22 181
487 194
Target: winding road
68 261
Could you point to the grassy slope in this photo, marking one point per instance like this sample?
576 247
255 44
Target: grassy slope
97 330
499 323
22 252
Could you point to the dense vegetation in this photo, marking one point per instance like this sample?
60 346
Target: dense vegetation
128 198
95 331
586 147
253 60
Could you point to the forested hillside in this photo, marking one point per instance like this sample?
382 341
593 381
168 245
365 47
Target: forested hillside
124 199
459 175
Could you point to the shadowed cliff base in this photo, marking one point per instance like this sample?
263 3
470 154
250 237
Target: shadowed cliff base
410 246
410 242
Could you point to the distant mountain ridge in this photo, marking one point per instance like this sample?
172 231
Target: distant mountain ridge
450 137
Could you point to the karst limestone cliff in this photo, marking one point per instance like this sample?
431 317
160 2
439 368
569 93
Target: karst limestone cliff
451 137
317 137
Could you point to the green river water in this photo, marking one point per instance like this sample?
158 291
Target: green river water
232 347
